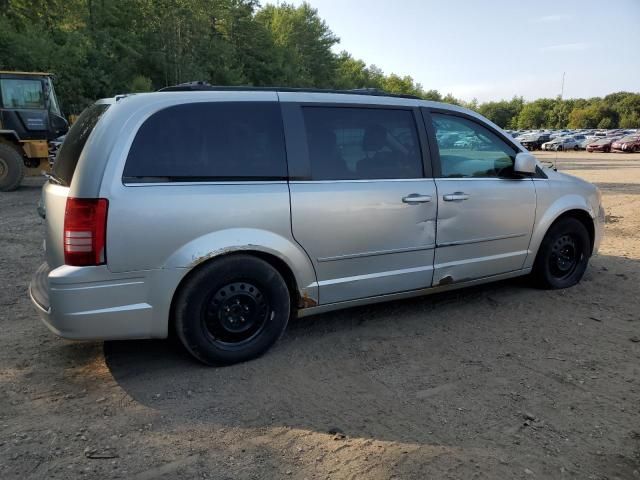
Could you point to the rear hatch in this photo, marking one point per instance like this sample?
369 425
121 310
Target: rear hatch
56 190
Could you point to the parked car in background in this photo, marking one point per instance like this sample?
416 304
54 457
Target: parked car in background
265 175
601 145
627 144
586 142
561 143
535 141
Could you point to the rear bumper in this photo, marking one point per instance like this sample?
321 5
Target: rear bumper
91 303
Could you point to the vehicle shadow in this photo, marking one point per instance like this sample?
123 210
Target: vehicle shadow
457 367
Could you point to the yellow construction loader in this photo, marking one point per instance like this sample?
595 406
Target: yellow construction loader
30 125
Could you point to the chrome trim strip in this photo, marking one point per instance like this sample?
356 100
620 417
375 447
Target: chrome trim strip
371 180
187 184
375 253
467 261
93 285
480 240
369 276
479 179
306 312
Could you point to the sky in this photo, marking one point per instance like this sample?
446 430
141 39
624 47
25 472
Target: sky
495 49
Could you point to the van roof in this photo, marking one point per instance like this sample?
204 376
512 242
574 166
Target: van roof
203 86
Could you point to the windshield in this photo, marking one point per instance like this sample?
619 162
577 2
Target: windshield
21 93
67 159
630 138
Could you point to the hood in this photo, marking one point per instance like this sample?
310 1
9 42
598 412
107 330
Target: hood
587 187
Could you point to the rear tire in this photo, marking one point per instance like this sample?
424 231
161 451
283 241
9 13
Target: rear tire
563 255
232 310
11 168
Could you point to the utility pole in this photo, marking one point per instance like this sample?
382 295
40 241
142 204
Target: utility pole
562 88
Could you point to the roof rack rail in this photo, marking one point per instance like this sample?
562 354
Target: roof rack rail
204 86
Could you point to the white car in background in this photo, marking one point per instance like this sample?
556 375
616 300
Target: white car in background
561 143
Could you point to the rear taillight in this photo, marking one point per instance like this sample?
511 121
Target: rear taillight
85 231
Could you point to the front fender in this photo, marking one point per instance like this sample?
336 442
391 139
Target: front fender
549 209
232 240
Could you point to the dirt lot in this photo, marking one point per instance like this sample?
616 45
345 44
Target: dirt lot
501 381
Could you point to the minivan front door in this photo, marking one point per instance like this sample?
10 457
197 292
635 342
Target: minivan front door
365 214
485 211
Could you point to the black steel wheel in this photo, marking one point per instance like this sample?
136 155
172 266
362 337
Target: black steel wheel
563 255
232 309
235 313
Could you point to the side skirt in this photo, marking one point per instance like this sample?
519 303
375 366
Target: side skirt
306 312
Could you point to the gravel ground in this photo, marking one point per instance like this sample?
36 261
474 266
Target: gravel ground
498 381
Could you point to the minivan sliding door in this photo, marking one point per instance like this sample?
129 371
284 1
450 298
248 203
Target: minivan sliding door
361 204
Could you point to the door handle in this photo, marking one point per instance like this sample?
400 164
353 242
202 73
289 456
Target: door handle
416 198
453 197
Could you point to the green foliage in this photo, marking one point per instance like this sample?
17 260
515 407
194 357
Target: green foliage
532 115
503 113
140 84
100 48
302 42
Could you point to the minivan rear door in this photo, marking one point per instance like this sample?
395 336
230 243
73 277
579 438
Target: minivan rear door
56 190
363 203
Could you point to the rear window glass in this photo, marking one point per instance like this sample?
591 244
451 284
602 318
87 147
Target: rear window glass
362 143
202 141
67 158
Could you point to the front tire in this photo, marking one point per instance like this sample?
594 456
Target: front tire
11 168
563 255
232 310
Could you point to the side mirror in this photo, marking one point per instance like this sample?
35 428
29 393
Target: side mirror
525 164
58 124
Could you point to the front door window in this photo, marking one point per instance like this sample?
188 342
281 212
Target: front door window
469 150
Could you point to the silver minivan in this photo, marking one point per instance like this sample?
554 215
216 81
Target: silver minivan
219 213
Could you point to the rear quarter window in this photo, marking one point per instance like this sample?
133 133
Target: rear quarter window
209 141
67 158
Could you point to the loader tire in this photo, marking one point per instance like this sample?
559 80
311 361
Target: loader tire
11 168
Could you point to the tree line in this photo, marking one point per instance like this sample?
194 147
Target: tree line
98 48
